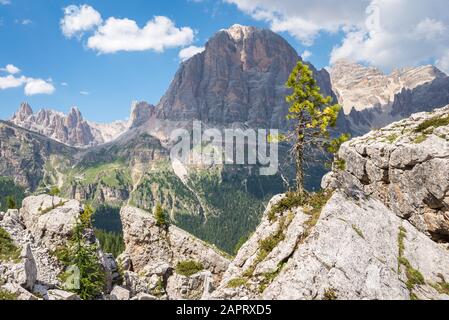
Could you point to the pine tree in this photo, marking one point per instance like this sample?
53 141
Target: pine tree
161 219
11 202
313 115
54 191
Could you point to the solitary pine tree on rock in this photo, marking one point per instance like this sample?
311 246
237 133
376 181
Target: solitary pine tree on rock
54 192
161 219
313 115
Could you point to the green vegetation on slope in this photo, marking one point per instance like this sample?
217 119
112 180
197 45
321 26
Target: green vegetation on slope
78 252
107 218
8 296
188 268
8 250
9 191
110 242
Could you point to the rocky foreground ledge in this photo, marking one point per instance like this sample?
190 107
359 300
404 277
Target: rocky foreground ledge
383 233
378 230
406 166
160 262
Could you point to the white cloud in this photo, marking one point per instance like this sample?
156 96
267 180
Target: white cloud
10 81
384 33
26 22
125 35
32 86
5 2
11 69
443 62
79 19
189 52
38 86
84 93
399 33
305 19
64 84
306 54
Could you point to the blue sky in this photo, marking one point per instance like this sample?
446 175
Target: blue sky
112 81
103 82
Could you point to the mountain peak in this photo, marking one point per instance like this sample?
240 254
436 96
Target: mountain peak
74 117
238 32
25 108
141 112
23 112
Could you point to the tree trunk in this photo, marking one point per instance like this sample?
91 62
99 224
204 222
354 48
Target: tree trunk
299 154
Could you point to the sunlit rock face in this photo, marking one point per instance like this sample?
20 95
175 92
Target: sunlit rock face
240 77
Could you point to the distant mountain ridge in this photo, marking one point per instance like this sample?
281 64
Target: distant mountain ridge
372 99
73 130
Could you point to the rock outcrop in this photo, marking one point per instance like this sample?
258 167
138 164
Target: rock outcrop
42 225
373 239
358 249
406 166
154 253
141 112
51 220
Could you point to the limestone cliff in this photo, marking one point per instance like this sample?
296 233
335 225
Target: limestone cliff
406 166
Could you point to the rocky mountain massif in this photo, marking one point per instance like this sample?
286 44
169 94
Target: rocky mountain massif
238 82
239 78
378 230
373 100
72 129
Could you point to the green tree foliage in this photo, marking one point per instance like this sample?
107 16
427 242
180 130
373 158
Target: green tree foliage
161 218
8 250
11 195
86 216
78 252
313 115
107 218
111 242
54 192
11 202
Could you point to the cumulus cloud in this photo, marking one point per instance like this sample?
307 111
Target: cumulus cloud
32 86
125 35
11 69
10 81
383 33
189 52
305 19
399 33
38 86
79 19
